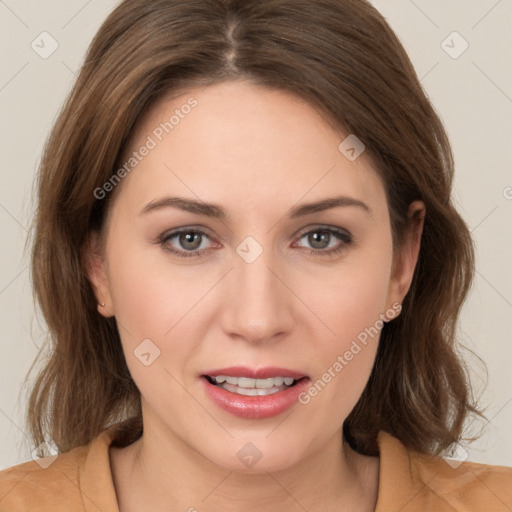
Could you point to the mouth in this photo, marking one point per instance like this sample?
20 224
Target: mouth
254 393
252 387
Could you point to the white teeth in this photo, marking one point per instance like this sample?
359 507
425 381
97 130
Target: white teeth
268 383
255 391
250 384
251 391
244 382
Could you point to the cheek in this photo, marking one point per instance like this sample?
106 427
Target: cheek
351 307
153 305
160 301
150 294
353 295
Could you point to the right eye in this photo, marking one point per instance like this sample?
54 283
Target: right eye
190 242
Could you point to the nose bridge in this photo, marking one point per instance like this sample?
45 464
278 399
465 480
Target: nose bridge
258 308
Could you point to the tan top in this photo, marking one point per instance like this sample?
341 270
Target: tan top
81 480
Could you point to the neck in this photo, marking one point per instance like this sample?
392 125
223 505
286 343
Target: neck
159 472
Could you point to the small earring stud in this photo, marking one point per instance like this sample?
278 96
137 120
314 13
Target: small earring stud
102 304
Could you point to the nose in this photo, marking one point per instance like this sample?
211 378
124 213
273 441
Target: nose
258 304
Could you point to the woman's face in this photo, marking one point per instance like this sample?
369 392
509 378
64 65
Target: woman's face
260 279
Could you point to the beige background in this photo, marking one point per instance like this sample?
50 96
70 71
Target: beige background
472 93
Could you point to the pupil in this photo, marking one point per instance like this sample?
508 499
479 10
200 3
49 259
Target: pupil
316 236
187 240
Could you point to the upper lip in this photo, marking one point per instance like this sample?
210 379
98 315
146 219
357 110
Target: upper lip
255 373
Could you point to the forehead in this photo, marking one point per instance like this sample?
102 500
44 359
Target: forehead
240 144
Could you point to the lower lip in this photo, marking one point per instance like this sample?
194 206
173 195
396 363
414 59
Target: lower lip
255 407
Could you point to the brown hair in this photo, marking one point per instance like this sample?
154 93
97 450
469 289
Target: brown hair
340 56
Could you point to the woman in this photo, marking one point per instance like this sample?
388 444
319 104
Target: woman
251 268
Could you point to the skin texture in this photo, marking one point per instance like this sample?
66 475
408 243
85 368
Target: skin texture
257 153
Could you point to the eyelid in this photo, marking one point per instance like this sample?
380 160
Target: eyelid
184 229
172 233
321 227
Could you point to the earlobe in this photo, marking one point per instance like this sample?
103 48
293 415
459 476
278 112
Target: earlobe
408 253
95 267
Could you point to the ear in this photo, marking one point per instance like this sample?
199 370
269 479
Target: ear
406 256
94 262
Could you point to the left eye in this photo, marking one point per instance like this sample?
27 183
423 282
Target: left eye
326 240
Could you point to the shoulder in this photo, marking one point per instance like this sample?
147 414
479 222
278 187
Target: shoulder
64 482
48 481
434 483
465 485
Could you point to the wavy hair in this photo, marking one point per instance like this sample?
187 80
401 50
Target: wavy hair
342 57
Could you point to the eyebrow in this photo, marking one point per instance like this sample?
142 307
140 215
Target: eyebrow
216 211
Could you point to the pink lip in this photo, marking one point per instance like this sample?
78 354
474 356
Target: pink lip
255 407
251 373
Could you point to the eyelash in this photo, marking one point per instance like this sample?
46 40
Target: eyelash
344 237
